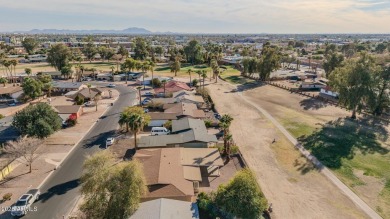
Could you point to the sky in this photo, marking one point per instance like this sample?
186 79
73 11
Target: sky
200 16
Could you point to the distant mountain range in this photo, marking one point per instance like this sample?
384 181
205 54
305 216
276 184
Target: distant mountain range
131 30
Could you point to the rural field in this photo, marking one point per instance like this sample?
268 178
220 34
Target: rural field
356 151
287 179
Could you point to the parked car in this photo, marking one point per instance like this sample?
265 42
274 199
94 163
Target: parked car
217 116
89 103
109 142
146 110
21 207
12 104
160 131
111 85
148 94
146 101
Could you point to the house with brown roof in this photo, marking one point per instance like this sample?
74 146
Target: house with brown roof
185 96
186 132
184 110
171 172
10 93
68 110
171 87
159 118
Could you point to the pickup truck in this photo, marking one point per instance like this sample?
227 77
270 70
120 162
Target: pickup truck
22 206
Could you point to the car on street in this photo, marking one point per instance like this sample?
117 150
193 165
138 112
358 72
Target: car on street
148 94
159 131
89 103
22 206
111 85
146 101
12 104
109 142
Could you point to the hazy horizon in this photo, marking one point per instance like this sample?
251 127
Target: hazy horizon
201 16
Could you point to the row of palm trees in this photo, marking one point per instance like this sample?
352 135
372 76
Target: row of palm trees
130 64
9 66
201 73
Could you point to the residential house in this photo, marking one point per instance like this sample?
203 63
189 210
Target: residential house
173 172
68 110
60 86
189 97
327 91
163 208
185 110
159 118
312 85
171 87
186 132
10 93
148 80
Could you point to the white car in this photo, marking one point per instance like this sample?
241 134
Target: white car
111 85
90 103
21 207
109 142
160 131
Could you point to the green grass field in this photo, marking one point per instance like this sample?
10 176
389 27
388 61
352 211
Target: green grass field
233 76
346 146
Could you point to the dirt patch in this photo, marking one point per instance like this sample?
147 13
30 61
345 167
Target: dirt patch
287 180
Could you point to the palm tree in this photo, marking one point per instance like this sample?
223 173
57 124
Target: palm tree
204 75
151 68
27 71
164 82
93 72
48 87
14 63
81 67
112 69
189 71
89 89
96 99
124 119
137 122
224 124
199 72
139 94
144 66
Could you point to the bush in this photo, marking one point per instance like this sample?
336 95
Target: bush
71 121
155 105
195 82
169 95
208 123
168 125
1 116
156 82
7 196
203 92
79 100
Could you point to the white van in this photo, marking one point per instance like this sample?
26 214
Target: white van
160 131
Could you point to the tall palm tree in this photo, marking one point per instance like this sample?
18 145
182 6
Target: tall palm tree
14 63
7 64
93 72
199 72
189 71
224 124
151 68
204 75
144 67
89 89
124 119
139 94
164 82
136 124
81 72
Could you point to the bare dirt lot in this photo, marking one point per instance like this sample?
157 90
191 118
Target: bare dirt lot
290 183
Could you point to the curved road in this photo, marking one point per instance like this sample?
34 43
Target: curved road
61 190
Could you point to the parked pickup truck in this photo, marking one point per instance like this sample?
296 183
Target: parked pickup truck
22 206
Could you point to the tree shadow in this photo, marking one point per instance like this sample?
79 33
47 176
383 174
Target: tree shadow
343 138
100 139
313 104
59 189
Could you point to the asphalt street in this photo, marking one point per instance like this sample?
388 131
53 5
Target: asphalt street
61 191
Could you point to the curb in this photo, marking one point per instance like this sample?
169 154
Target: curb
73 148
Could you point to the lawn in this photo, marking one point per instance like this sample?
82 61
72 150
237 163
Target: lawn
233 76
358 153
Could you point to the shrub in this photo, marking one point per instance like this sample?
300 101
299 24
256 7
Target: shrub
195 82
156 82
1 116
71 121
7 196
168 125
79 100
208 123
